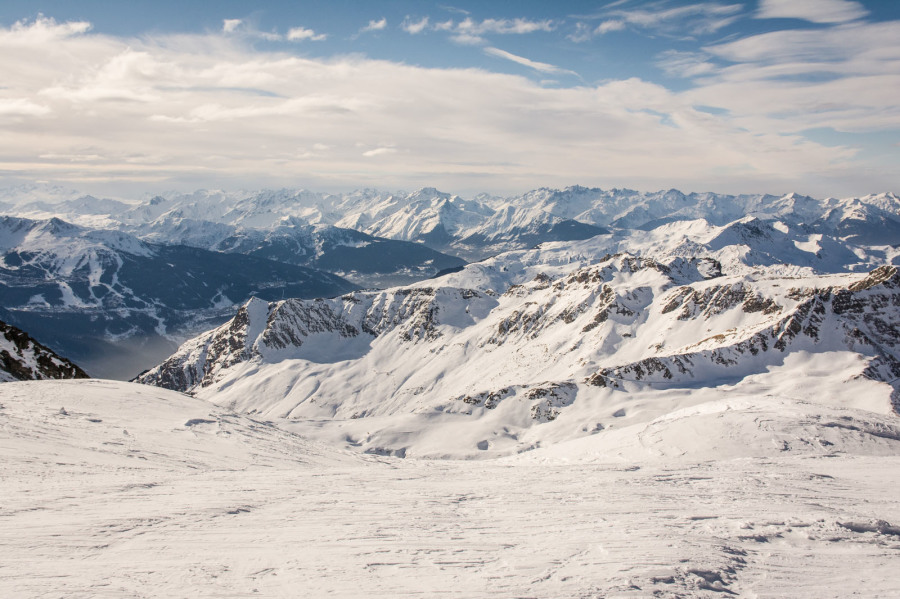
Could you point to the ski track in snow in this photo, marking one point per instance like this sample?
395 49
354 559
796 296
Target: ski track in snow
117 490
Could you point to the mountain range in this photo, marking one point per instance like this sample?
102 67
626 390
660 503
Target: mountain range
608 393
187 261
512 342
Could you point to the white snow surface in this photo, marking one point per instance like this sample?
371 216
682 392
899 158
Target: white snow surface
113 489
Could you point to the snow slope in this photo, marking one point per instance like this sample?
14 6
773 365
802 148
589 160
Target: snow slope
119 490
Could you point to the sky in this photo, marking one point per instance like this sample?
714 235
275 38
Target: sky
731 96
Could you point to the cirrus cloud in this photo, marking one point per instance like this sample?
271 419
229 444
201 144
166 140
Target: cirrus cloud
692 19
537 66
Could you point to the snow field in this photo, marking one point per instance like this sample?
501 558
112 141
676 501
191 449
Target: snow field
119 490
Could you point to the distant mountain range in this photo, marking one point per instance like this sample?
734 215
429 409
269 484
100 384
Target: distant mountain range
115 284
474 228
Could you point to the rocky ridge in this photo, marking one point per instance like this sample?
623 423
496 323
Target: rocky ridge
24 359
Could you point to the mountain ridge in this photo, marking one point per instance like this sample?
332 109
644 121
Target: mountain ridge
24 359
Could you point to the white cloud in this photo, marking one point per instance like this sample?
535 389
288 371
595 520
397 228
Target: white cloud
583 32
850 49
607 26
72 157
685 64
454 9
191 111
414 27
467 39
270 36
503 26
380 152
841 78
374 25
19 107
229 25
42 30
817 11
472 32
537 66
301 33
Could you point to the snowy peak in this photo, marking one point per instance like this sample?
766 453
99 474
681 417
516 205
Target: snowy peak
321 330
839 316
62 239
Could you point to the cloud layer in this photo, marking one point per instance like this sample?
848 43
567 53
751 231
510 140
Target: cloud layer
212 110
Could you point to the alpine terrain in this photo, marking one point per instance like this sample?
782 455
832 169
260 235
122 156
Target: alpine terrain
567 393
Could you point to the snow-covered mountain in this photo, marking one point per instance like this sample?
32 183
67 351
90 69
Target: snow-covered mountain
24 359
114 303
518 339
379 239
702 401
367 260
472 229
488 225
281 226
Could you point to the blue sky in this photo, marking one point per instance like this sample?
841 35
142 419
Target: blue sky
730 96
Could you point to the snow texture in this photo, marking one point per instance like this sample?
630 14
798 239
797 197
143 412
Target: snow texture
121 490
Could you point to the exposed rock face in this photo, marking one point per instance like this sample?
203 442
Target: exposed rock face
24 359
718 299
862 315
545 399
